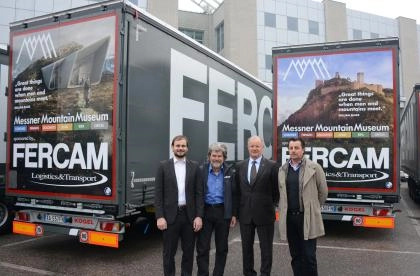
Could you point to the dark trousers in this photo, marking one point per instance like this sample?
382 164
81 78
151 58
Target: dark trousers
303 252
181 228
213 221
265 236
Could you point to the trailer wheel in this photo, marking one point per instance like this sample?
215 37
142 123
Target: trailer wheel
5 218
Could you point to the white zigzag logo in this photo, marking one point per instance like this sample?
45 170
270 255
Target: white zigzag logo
301 65
31 44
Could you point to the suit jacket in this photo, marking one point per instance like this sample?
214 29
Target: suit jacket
258 200
166 191
229 193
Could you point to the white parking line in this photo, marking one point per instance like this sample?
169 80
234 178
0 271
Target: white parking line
367 250
22 242
344 248
26 268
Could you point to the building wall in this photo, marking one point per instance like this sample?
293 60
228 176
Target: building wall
335 22
240 33
217 18
165 10
370 25
253 27
196 21
409 62
14 10
335 12
280 33
418 42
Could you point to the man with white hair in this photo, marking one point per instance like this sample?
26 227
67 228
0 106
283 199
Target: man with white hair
256 180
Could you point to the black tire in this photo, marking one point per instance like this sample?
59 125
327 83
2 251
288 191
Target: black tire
416 197
410 191
5 219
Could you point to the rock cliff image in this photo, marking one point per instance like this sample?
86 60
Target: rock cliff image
340 101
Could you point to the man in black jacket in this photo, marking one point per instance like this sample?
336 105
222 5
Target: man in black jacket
219 209
179 206
256 179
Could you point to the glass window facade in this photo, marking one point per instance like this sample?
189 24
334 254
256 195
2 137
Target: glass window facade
61 5
220 37
296 22
142 4
357 34
270 19
21 14
14 10
292 24
268 62
374 35
418 39
370 24
7 3
44 5
25 5
313 27
194 34
7 16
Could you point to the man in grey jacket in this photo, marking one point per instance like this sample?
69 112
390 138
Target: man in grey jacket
303 188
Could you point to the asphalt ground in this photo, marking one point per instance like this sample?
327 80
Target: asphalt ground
345 250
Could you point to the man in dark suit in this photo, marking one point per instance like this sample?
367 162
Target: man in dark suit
256 178
219 210
179 206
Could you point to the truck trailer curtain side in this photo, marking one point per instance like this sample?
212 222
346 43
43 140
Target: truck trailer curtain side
410 142
343 99
95 96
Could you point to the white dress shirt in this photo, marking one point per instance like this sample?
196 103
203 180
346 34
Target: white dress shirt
257 165
180 171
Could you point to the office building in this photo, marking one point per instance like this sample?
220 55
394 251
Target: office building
244 31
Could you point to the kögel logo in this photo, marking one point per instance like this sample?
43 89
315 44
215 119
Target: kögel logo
41 41
83 220
301 65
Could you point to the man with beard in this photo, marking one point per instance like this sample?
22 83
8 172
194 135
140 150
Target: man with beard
179 206
219 209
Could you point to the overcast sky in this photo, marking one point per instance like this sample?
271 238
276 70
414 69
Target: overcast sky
387 8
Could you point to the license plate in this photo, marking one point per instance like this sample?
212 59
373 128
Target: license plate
327 208
54 218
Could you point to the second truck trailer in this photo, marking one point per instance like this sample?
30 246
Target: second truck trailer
343 99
